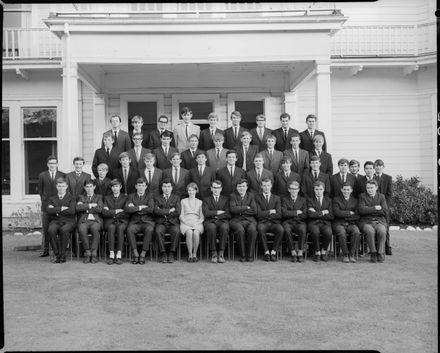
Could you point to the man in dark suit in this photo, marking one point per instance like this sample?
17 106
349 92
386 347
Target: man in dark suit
338 179
233 133
385 184
102 182
231 174
127 174
140 207
260 133
284 177
46 189
217 155
61 212
115 221
178 175
89 209
320 215
308 134
324 157
354 166
108 155
362 181
294 215
137 122
309 179
243 224
216 211
206 141
122 141
284 133
202 175
271 156
167 212
189 155
269 219
151 175
137 153
77 179
299 157
246 152
345 210
154 135
164 152
257 174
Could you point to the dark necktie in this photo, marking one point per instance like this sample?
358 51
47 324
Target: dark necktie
285 134
267 199
316 176
258 175
218 154
343 179
175 175
149 176
52 176
108 152
125 174
116 139
187 131
236 132
231 172
200 171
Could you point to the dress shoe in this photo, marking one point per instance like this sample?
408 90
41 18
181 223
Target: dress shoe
87 259
57 260
316 258
380 258
195 259
250 259
388 251
135 260
273 258
94 260
45 253
243 259
170 258
141 260
164 259
324 257
110 261
221 259
63 259
267 257
190 259
352 259
373 258
346 259
214 258
118 261
294 258
300 258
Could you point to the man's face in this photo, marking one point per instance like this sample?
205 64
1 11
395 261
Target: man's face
378 168
285 166
231 158
241 188
90 188
115 122
176 160
266 186
261 122
201 159
294 141
311 123
193 143
270 143
125 162
61 188
52 165
137 140
318 144
235 120
167 188
294 190
285 123
343 168
371 189
149 163
102 172
246 140
218 143
346 191
258 162
216 189
108 142
212 122
140 188
354 168
319 190
78 165
315 165
137 124
116 189
369 170
166 141
162 123
186 117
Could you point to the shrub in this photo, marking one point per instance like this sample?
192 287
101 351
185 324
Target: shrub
413 203
25 219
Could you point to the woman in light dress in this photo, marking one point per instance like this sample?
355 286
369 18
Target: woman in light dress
191 221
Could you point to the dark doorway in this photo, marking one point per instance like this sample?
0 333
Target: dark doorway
249 110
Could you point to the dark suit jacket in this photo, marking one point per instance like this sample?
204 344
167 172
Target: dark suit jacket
123 143
250 154
213 161
203 182
307 140
112 161
103 187
281 184
75 185
368 211
179 188
134 162
326 162
153 187
154 139
308 180
129 186
47 187
361 186
342 208
282 143
162 161
274 163
210 208
261 143
303 165
232 143
317 216
54 209
83 210
289 209
263 207
162 209
385 186
205 140
336 183
140 216
254 183
188 161
112 203
145 136
230 182
239 207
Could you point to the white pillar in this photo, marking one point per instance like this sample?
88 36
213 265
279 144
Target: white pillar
99 118
323 100
291 107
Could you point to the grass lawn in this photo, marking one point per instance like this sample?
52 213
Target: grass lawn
389 307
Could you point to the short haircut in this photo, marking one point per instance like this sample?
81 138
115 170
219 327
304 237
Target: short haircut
163 117
295 134
140 181
61 180
260 116
353 162
285 115
124 155
138 134
79 159
265 180
294 183
236 113
137 118
116 116
258 155
192 185
319 183
311 116
193 136
174 154
343 161
244 133
51 158
212 115
149 156
108 134
167 181
166 133
216 181
218 137
318 137
90 182
102 166
241 181
230 152
115 182
372 181
368 163
286 159
198 153
270 136
185 110
347 184
379 162
314 158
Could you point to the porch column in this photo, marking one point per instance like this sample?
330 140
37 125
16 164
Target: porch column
99 118
323 100
291 107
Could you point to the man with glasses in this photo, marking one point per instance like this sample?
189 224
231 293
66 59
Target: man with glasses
138 152
154 136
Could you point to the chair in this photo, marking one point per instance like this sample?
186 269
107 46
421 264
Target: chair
69 247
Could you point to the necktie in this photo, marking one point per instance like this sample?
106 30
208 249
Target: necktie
261 133
60 197
192 153
90 199
316 176
52 176
149 176
218 154
320 202
267 199
216 199
108 152
236 132
187 132
287 175
160 132
258 175
125 174
285 134
343 179
244 158
116 138
200 171
166 198
175 175
270 155
166 151
311 134
295 156
212 132
78 175
231 171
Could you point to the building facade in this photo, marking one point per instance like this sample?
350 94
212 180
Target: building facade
368 71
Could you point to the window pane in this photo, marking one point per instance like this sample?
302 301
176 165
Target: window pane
249 110
5 122
6 169
200 110
39 122
148 112
36 153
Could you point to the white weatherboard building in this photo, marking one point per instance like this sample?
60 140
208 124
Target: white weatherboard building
367 70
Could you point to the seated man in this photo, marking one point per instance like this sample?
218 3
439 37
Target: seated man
339 179
202 175
231 174
178 175
115 221
151 175
89 209
373 209
309 179
167 211
189 155
255 175
102 182
140 207
217 155
324 157
284 177
294 214
243 223
345 209
61 212
320 214
216 211
269 219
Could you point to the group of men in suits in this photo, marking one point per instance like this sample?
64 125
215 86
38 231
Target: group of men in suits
226 158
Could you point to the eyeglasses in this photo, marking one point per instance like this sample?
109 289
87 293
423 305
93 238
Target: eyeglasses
216 187
137 139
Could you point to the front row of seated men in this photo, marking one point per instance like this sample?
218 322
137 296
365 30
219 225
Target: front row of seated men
244 213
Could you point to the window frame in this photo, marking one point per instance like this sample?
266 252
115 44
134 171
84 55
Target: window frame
252 97
195 98
123 105
8 139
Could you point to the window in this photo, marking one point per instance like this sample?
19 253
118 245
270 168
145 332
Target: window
249 110
39 133
200 104
200 111
6 156
148 112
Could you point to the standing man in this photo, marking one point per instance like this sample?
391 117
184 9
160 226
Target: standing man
324 157
309 179
284 133
363 179
102 182
257 174
127 174
151 175
108 155
76 180
164 152
233 134
121 138
308 134
137 122
339 179
138 152
246 152
217 155
231 174
260 133
178 175
202 175
189 156
154 135
299 157
183 131
207 136
47 188
271 156
284 177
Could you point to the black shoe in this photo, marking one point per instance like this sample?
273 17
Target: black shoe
380 258
94 260
243 259
324 257
164 259
273 258
63 259
111 261
141 260
294 258
87 259
135 260
267 257
57 260
45 253
373 258
250 259
170 258
316 258
388 251
118 261
300 258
